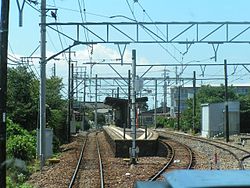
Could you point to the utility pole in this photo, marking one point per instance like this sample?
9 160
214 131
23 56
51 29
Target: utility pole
75 77
117 92
133 109
96 101
4 28
54 70
179 106
165 92
226 104
84 99
178 89
155 103
194 99
43 85
70 91
129 98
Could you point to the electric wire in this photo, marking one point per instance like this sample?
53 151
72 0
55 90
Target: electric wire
84 20
32 6
50 38
59 36
145 12
168 52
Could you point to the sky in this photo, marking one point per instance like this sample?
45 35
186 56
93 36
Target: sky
24 41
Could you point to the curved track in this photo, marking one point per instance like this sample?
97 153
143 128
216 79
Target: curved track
180 157
89 166
238 153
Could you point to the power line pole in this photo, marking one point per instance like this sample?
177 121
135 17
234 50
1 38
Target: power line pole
226 104
194 99
133 109
96 101
4 27
54 70
165 92
155 111
179 107
43 84
70 94
84 99
129 102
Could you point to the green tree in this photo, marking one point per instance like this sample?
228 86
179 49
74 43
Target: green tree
56 109
245 113
20 143
205 94
54 87
22 97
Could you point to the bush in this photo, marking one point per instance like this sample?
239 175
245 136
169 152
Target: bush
17 173
20 143
14 129
56 144
21 147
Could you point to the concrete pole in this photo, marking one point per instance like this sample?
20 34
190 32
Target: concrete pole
155 104
165 92
133 109
179 107
84 100
4 25
96 101
194 99
226 104
69 98
117 92
129 98
43 85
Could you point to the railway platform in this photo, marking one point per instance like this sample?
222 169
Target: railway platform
120 141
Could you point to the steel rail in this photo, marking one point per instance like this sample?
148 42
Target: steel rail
157 175
188 149
78 163
243 159
100 164
191 156
214 143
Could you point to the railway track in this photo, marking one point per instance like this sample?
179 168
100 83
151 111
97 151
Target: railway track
239 154
180 156
89 171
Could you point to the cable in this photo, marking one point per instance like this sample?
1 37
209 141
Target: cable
30 4
59 36
152 36
51 41
133 14
84 20
145 12
158 29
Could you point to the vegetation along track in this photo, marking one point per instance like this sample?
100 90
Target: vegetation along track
89 166
237 153
180 157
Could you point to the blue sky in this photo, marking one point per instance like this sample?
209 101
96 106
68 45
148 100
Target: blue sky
24 40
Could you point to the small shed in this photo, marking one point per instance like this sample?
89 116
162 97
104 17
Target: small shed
213 118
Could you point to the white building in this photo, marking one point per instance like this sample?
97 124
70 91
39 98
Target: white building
187 92
213 118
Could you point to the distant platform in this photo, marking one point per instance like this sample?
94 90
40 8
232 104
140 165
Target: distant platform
117 133
147 142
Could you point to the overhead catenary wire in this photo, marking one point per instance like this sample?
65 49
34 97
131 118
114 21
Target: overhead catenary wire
168 52
84 19
158 29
